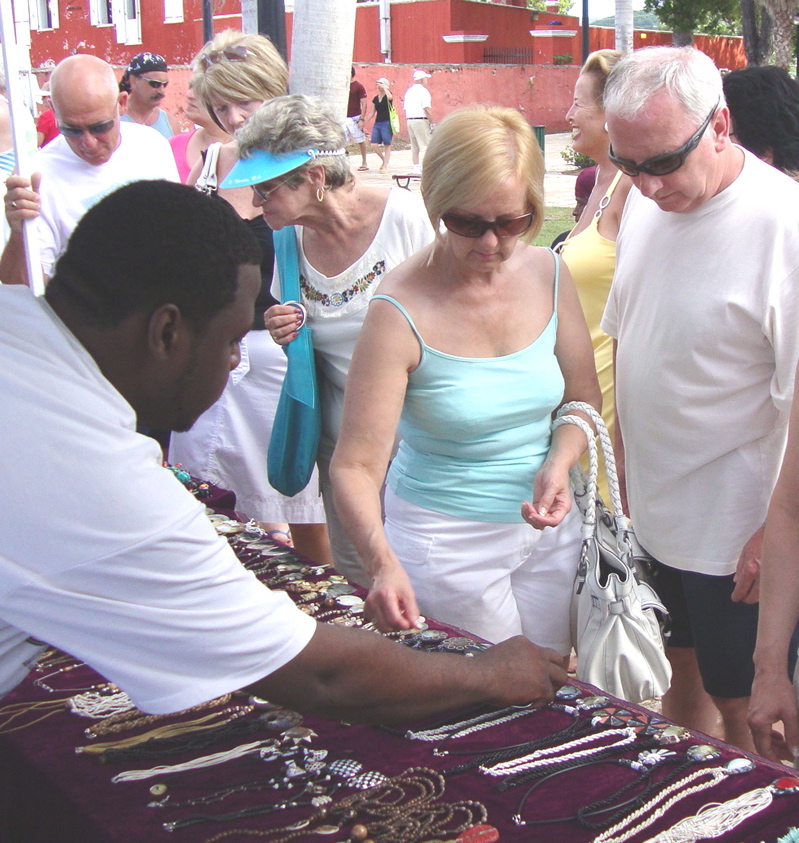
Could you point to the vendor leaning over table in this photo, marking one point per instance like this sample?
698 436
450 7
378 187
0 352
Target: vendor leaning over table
105 556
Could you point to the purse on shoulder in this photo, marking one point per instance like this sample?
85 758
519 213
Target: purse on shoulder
298 421
617 619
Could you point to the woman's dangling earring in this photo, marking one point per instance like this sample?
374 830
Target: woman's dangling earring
320 194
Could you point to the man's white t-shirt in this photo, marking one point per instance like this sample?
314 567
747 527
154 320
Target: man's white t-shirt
705 307
103 553
70 185
417 99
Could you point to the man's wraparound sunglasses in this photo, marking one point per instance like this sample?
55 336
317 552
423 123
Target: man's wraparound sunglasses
477 226
94 129
662 165
154 83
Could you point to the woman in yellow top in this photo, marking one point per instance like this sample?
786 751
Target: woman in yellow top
590 249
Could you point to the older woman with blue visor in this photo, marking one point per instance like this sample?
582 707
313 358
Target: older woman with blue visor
349 235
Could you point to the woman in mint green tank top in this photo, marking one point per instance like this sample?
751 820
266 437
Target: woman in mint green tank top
467 351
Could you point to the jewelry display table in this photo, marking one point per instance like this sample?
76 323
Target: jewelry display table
581 752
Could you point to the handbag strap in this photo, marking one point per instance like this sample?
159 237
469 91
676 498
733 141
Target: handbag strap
207 181
288 266
608 457
589 513
300 379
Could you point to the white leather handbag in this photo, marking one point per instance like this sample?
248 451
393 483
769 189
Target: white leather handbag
616 615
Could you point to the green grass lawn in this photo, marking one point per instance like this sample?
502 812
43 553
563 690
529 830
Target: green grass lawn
556 220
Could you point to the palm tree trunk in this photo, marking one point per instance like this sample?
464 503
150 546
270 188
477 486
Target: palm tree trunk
782 14
321 50
624 25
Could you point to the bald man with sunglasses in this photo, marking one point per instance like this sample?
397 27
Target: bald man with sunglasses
704 308
93 156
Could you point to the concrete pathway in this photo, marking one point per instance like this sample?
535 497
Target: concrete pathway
558 180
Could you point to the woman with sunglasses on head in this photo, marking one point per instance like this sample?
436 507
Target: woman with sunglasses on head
590 249
234 74
349 235
468 350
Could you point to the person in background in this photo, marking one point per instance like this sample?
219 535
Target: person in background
590 249
233 75
382 133
189 147
356 117
94 154
145 81
472 379
46 123
764 109
417 103
583 185
349 235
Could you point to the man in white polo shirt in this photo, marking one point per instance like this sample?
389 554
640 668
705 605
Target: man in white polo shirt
417 103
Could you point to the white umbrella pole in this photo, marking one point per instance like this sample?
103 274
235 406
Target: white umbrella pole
22 150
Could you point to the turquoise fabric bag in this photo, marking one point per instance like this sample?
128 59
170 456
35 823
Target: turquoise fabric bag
298 421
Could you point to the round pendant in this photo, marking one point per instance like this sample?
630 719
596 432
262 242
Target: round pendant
787 784
349 600
569 692
703 752
337 589
327 829
479 834
158 789
281 718
737 766
432 635
667 733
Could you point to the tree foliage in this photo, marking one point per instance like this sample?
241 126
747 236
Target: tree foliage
685 17
564 6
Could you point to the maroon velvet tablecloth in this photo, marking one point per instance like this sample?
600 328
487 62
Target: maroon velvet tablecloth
50 794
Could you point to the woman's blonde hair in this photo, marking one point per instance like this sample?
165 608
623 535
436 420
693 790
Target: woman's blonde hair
252 70
598 65
473 151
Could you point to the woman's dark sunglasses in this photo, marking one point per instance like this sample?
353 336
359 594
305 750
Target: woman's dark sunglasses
94 129
662 165
477 227
238 53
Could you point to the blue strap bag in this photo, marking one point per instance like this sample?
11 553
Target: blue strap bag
298 421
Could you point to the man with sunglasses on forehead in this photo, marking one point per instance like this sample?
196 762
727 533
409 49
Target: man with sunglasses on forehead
93 156
145 81
704 307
